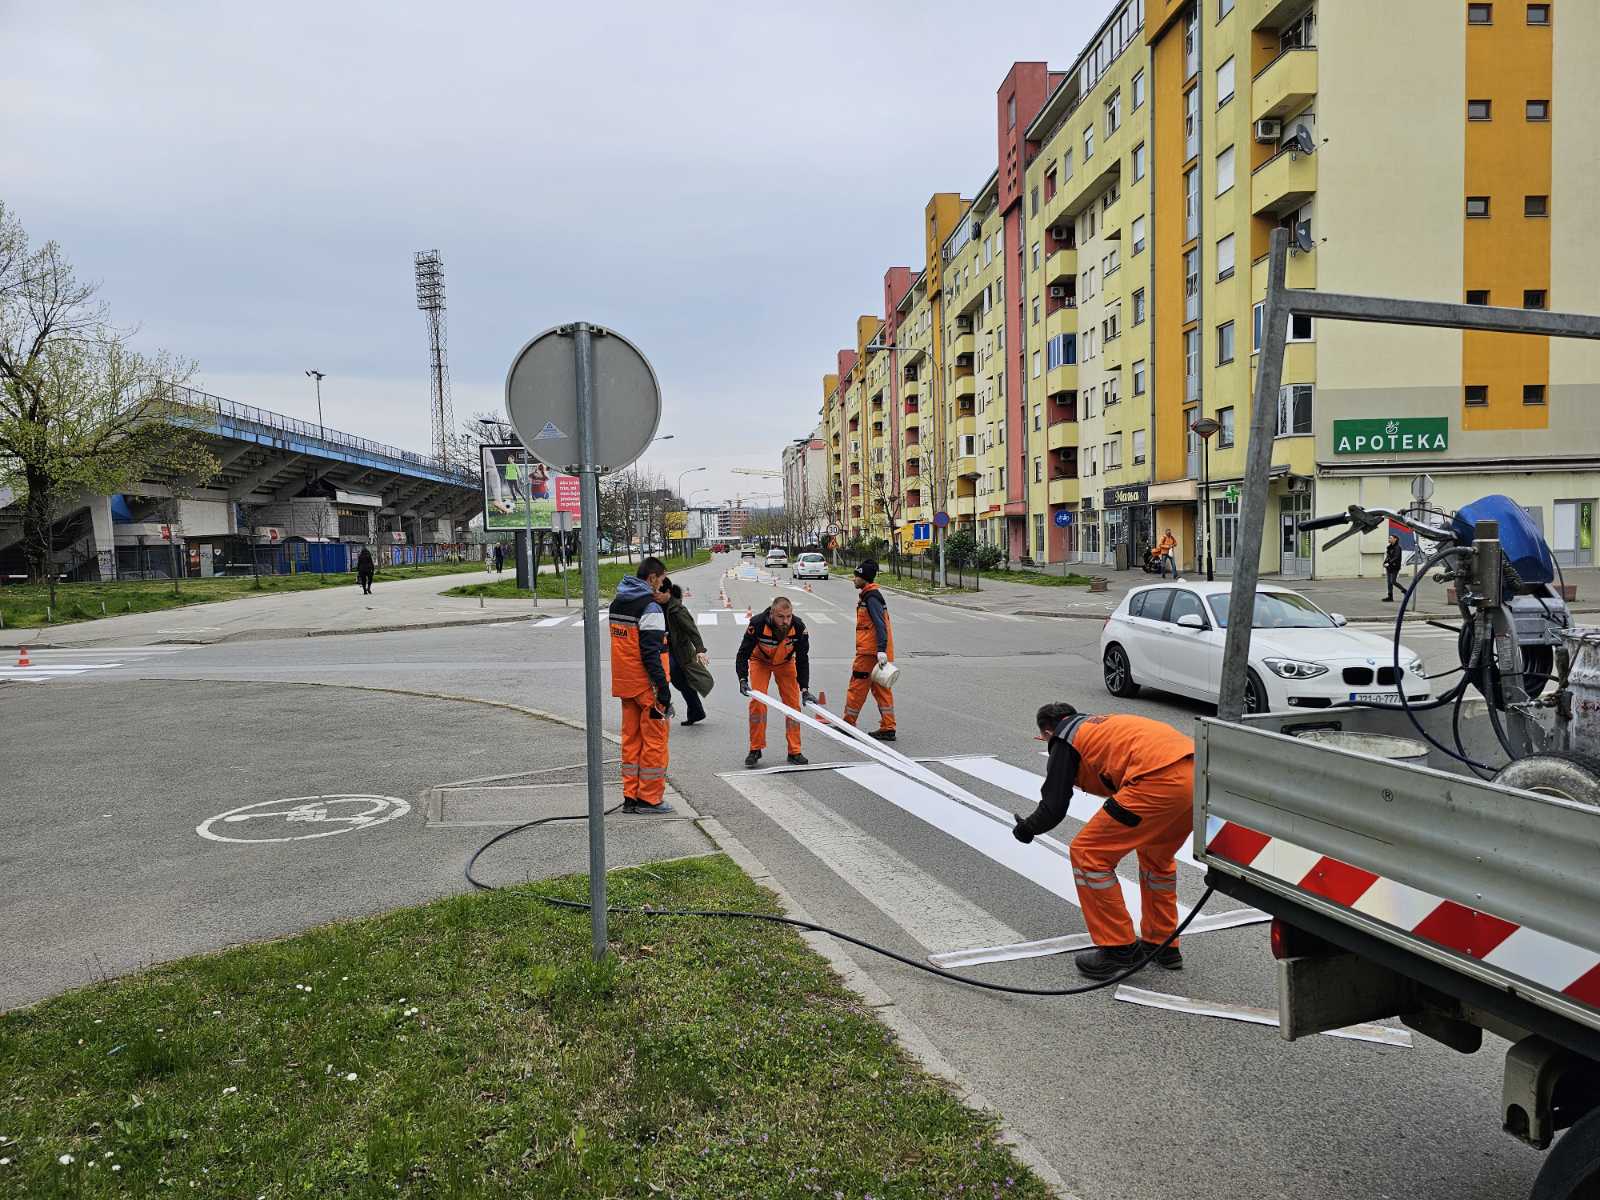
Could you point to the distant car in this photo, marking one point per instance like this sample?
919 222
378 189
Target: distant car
748 553
810 566
1169 638
777 557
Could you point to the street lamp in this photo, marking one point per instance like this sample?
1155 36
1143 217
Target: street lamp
1205 428
319 377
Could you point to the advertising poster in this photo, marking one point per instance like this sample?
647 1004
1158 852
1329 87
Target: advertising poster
511 487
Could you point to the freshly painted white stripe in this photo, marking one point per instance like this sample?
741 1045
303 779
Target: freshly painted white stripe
930 912
1081 941
818 618
114 650
706 618
1381 1034
549 622
59 669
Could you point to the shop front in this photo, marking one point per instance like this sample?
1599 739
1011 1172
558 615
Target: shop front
1129 525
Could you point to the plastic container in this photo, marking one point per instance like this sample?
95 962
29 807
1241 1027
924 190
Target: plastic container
1378 745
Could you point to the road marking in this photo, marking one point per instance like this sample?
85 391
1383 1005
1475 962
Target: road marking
933 620
930 912
344 813
706 618
1072 943
819 618
1381 1034
549 622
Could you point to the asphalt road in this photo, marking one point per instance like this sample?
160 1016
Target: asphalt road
1125 1101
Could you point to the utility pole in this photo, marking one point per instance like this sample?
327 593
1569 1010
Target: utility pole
319 377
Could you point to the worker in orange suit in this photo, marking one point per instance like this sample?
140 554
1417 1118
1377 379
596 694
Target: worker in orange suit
639 678
775 646
1145 769
874 645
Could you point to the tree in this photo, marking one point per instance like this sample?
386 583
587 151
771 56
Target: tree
81 411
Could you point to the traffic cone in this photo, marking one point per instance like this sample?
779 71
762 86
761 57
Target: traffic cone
22 658
822 702
808 587
749 613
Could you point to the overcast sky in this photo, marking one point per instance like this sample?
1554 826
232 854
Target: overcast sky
725 184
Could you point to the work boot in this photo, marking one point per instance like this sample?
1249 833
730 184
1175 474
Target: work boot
798 760
1106 961
644 806
1171 958
882 735
752 758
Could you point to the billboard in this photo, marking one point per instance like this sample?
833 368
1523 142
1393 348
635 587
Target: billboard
511 487
677 526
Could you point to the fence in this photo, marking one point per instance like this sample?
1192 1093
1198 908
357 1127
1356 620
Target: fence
917 568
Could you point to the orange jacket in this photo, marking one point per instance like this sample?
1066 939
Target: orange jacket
874 633
639 651
788 652
1117 749
1166 545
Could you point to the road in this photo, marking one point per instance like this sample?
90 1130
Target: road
1125 1101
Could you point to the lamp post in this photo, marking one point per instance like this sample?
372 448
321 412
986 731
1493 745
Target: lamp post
678 492
319 377
1205 428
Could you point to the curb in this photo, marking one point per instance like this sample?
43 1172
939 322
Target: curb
907 1032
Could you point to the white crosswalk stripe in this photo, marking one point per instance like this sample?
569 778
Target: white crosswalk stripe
74 663
734 618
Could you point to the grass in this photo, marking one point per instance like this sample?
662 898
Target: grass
550 585
917 585
1038 578
471 1048
22 605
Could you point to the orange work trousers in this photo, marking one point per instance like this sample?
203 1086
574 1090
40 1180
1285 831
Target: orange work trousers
1164 803
788 692
860 684
644 748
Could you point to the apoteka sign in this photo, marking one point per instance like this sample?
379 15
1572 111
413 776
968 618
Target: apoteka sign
1396 435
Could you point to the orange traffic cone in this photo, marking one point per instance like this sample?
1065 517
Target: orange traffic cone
22 658
822 702
808 587
749 613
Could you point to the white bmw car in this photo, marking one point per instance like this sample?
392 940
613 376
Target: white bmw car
1169 638
809 565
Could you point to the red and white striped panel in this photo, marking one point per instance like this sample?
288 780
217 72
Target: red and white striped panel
1559 966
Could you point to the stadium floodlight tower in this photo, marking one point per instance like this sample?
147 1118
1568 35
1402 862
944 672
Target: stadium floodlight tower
430 299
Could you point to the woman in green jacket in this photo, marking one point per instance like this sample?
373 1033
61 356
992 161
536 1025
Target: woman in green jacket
688 648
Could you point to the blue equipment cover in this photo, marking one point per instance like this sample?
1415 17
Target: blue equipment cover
1519 536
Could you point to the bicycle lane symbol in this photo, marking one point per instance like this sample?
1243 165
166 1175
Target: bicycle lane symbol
299 818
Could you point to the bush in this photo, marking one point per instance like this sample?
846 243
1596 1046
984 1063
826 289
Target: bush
960 549
990 557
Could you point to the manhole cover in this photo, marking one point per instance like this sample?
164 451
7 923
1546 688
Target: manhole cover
301 817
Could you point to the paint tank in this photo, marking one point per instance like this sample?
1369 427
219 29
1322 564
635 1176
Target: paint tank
1378 745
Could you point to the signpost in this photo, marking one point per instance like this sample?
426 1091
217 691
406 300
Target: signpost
941 521
557 388
1064 518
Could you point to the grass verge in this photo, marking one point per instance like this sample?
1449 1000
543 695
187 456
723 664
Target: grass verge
22 605
550 585
1038 579
471 1048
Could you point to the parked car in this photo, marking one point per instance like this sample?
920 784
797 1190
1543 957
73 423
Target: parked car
810 565
777 557
1169 638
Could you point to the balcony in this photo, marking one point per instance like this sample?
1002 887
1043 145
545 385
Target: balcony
967 468
1285 85
966 387
913 420
966 426
963 343
1063 320
1285 181
1063 490
1061 379
1062 435
1061 266
910 389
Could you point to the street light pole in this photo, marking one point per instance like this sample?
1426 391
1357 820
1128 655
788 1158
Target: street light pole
319 377
1205 428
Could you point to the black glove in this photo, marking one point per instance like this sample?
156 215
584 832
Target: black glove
807 698
664 700
744 686
1021 832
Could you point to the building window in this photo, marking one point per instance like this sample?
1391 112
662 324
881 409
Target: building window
1478 296
1478 110
1191 365
1225 83
1066 166
1225 257
1533 393
1114 112
1138 82
1225 343
1299 327
1538 14
1477 206
1255 325
1088 142
1036 416
1036 310
1138 162
1191 284
1225 434
1011 112
1294 410
1138 446
1480 14
1036 256
1191 44
1038 469
1139 377
1138 306
1536 206
1477 395
1191 123
1112 261
1033 204
1038 360
1225 171
1138 235
1111 327
1224 7
1534 298
1538 110
1113 454
1191 204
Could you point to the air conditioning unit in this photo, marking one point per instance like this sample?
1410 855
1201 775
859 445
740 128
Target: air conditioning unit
1269 130
1059 232
1057 292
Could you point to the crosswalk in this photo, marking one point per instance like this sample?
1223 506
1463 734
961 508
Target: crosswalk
47 666
729 618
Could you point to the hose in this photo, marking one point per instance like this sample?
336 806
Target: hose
812 927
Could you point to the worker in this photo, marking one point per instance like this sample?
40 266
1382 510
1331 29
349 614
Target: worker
1145 770
775 644
639 678
1164 552
874 645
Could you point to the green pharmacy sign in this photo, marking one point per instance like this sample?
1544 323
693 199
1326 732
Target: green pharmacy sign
1396 435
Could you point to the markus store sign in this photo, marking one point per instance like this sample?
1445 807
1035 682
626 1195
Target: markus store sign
1396 435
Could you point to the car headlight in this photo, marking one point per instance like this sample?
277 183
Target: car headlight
1293 668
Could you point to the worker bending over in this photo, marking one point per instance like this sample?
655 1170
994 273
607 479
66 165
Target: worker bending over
639 675
874 645
1145 769
776 645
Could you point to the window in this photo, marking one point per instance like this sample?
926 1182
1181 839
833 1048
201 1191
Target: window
1191 204
1138 162
1036 310
1138 235
1111 327
1225 83
1138 306
1224 7
1225 171
1480 14
1536 206
1038 469
1113 390
1538 110
1191 365
1066 166
1138 446
1062 350
1191 284
1033 202
1477 206
1036 256
1191 44
1538 14
1112 261
1191 123
1299 328
1113 454
1037 360
1477 296
1225 343
1256 314
1138 82
1114 112
1225 434
1036 417
1477 395
1225 257
1294 410
1112 195
1011 112
1301 33
1138 377
1534 298
1533 393
1088 142
1478 110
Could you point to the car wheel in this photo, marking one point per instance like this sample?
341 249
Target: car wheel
1255 694
1573 777
1119 673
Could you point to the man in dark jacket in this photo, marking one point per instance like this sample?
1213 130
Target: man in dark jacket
687 647
1391 564
776 645
365 571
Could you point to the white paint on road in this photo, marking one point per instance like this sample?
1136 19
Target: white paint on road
706 618
324 816
1381 1034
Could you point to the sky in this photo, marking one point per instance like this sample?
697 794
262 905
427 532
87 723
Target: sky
724 184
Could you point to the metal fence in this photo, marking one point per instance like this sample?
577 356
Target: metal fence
918 568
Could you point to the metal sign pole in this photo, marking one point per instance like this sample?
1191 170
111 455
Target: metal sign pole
589 553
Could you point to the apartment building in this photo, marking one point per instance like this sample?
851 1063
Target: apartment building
1097 305
805 474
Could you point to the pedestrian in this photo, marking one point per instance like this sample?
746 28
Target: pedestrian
1391 565
688 650
1165 555
365 571
639 674
775 645
499 558
874 645
1145 770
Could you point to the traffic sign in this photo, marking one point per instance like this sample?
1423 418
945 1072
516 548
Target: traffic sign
833 529
1422 487
941 519
921 531
542 400
1063 518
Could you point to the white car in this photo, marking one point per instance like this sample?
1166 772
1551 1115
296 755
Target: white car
810 566
1169 638
777 558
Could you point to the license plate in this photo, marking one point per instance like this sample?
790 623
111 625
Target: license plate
1376 698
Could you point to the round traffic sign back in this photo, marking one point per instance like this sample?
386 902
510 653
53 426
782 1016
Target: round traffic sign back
542 399
941 518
